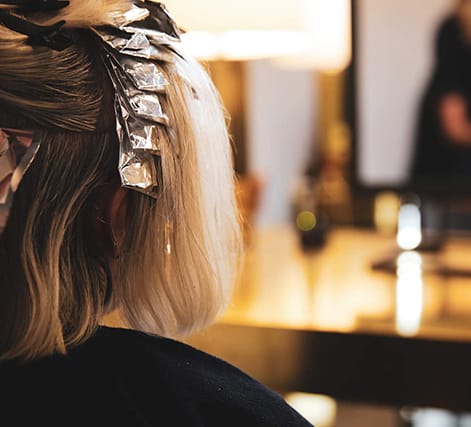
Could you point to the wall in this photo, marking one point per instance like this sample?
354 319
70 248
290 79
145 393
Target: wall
280 122
394 56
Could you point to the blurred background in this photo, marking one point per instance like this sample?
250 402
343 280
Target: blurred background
352 145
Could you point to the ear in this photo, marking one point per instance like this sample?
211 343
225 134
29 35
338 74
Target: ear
116 215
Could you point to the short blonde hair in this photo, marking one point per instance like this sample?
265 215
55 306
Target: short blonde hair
180 253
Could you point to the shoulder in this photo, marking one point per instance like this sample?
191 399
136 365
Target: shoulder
448 30
216 390
449 25
128 377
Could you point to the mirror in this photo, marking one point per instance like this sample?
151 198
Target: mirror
412 100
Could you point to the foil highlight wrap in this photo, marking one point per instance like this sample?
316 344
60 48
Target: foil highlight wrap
146 76
144 38
17 151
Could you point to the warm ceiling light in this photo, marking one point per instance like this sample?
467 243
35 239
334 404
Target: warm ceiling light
311 33
328 24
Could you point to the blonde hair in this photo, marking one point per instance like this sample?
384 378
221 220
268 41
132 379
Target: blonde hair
463 14
180 254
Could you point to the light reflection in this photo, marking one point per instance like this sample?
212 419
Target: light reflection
320 410
409 293
409 233
307 34
244 45
432 417
306 220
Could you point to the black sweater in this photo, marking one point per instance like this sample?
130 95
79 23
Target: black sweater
126 378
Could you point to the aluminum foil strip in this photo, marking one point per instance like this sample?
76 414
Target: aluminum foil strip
17 152
158 36
145 75
133 53
144 104
137 168
138 171
139 47
139 134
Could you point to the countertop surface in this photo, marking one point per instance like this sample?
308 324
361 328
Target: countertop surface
335 288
